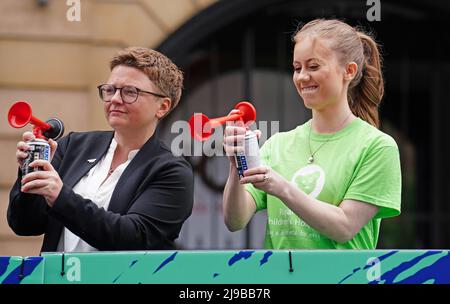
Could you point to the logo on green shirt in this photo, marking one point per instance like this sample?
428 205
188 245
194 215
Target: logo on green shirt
310 179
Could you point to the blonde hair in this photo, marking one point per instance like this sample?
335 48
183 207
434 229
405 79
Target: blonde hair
159 69
366 89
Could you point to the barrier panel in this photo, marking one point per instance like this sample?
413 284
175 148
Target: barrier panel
19 270
249 267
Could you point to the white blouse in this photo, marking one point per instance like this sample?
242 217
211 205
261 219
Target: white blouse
91 187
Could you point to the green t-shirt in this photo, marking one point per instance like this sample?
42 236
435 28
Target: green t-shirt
359 162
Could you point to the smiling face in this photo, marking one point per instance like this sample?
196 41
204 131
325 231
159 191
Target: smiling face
144 112
318 75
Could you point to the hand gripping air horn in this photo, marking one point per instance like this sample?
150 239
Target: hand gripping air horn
201 126
20 114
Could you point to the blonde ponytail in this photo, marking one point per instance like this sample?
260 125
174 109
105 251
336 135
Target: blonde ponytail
365 95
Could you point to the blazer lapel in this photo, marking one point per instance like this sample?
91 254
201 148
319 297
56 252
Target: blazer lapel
88 159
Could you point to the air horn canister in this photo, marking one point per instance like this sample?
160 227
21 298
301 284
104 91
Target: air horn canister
19 115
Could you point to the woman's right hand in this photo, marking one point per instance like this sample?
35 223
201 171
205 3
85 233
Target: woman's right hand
23 147
233 139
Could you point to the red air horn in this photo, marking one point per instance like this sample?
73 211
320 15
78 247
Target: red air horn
19 115
202 127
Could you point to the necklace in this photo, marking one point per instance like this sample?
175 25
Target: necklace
311 158
111 170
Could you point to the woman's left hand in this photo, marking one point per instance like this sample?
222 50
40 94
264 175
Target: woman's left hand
265 179
46 182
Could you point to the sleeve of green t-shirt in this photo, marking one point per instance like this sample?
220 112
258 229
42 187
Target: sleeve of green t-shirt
378 180
259 196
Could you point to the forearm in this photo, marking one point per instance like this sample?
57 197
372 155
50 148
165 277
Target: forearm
236 209
102 229
27 213
327 219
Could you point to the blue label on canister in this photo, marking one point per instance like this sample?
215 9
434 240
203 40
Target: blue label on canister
249 158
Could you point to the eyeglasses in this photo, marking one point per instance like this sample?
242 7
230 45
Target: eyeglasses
129 94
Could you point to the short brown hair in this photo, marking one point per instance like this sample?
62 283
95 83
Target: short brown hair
159 69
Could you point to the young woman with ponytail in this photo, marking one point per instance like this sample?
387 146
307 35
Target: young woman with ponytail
328 183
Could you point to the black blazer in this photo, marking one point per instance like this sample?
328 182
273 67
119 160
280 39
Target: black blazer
150 202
